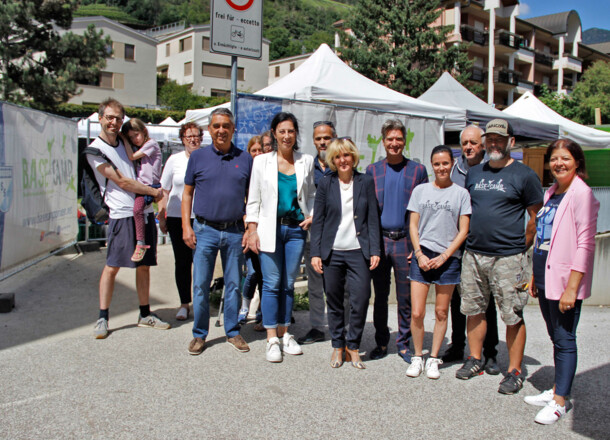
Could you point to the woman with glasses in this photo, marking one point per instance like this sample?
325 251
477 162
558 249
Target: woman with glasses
278 213
170 215
345 243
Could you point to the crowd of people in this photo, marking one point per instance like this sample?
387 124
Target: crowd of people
465 232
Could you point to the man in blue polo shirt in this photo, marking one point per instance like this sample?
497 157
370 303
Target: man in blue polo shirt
218 177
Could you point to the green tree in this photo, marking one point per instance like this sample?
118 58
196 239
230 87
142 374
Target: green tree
180 97
38 66
593 91
565 105
395 43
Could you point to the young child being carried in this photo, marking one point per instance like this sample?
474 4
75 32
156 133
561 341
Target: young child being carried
148 153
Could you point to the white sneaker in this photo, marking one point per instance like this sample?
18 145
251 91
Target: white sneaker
540 399
290 346
552 412
432 368
416 367
274 354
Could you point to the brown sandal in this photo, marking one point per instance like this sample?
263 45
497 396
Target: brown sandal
353 356
336 360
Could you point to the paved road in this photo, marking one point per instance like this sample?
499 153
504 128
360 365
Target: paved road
58 382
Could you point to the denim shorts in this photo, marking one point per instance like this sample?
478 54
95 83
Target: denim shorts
448 273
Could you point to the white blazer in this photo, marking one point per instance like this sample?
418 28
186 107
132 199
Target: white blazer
263 195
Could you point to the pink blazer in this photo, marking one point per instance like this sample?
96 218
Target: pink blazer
572 245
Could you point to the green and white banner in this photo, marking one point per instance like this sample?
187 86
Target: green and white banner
38 184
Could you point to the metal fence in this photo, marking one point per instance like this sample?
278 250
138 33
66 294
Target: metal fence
602 194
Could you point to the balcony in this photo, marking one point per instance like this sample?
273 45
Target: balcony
543 59
507 42
478 74
507 77
568 62
525 86
469 33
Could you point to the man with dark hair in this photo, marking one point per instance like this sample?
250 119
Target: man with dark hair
215 188
117 180
395 177
323 133
473 153
495 261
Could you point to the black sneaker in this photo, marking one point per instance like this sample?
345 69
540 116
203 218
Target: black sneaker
491 367
471 368
314 335
512 383
453 354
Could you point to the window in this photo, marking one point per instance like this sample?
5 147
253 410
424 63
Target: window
218 93
186 44
130 52
205 43
163 71
220 71
109 50
188 68
118 81
167 50
106 80
277 71
292 67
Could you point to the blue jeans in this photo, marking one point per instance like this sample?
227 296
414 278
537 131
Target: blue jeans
562 330
280 269
209 242
254 277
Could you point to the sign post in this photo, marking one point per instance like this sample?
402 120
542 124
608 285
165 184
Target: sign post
237 30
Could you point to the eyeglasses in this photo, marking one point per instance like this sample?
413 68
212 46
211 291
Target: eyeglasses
319 123
193 137
111 118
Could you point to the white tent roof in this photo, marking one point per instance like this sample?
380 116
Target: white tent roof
447 90
530 107
156 132
324 77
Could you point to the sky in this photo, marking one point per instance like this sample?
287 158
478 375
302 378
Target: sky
593 13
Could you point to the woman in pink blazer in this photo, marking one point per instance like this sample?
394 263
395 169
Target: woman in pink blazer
563 267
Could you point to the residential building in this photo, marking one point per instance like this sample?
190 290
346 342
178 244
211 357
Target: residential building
512 55
130 74
282 67
185 57
525 52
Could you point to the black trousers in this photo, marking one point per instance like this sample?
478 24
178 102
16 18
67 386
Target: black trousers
183 257
458 326
353 266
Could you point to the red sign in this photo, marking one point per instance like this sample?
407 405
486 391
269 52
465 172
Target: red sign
238 7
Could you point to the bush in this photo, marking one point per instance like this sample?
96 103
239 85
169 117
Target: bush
147 115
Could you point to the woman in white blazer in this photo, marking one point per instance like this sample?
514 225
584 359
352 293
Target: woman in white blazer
278 213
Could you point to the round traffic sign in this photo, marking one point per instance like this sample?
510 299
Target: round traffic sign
242 7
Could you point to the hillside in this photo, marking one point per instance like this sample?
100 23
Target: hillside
595 35
293 26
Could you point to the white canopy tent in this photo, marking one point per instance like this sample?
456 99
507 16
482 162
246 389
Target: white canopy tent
324 77
447 90
530 107
167 131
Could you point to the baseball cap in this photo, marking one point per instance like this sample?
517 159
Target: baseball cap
499 126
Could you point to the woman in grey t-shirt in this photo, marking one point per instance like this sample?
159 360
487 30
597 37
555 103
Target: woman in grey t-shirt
439 220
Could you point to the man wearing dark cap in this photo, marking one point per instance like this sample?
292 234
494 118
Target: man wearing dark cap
495 262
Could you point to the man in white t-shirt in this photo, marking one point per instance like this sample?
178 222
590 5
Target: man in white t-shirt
117 182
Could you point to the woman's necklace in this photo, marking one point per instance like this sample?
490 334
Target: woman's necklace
346 186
